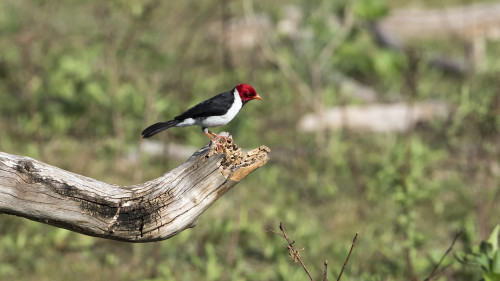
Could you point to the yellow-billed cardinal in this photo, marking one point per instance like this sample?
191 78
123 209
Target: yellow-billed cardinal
216 111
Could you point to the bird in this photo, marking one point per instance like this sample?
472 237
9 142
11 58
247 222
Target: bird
216 111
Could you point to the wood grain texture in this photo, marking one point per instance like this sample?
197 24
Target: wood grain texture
150 211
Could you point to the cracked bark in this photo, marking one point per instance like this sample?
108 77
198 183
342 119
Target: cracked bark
150 211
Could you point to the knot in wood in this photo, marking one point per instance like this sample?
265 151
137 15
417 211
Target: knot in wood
25 166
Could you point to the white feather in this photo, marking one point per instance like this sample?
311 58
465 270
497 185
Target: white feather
186 122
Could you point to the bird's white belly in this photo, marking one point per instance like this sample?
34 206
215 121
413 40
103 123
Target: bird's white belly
214 121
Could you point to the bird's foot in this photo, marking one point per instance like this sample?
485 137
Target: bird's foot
220 141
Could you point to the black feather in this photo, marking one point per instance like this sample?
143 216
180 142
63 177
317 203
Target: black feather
158 127
214 106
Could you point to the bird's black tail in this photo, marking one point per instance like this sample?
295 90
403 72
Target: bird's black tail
158 127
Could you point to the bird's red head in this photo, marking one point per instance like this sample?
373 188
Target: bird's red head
247 92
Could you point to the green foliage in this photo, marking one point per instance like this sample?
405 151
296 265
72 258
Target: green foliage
371 9
80 79
487 256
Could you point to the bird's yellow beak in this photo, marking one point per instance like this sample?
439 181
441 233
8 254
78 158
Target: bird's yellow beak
258 97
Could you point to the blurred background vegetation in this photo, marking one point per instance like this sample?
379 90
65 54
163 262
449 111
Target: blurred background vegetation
79 80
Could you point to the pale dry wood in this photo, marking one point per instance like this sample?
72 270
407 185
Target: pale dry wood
150 211
468 21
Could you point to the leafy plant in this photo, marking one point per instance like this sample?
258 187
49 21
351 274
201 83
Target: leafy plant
487 256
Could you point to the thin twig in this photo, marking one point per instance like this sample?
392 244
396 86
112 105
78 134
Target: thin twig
348 256
294 254
325 277
434 272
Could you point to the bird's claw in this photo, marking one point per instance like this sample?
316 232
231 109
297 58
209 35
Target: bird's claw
220 142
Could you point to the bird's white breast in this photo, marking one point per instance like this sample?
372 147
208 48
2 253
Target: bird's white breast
214 121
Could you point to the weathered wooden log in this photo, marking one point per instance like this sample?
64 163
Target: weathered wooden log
150 211
466 22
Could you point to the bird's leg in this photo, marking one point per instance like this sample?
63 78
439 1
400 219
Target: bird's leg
216 138
221 142
210 136
219 138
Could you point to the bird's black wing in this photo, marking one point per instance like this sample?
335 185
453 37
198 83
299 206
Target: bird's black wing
214 106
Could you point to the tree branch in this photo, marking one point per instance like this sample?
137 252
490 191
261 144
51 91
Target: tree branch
150 211
325 271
